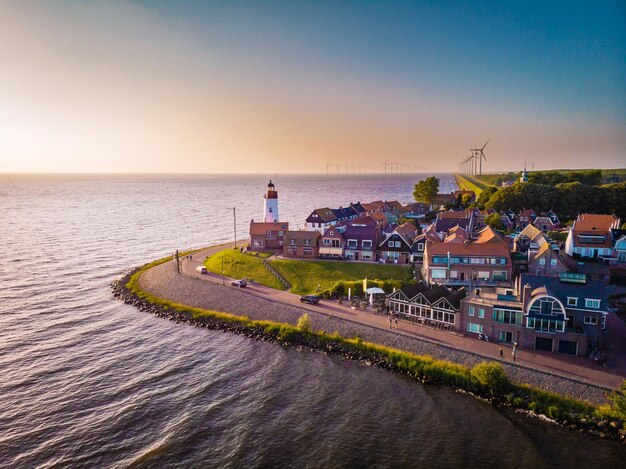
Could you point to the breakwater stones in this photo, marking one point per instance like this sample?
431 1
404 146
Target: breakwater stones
585 423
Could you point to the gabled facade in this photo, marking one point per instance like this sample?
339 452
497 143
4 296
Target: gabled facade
320 219
301 244
565 314
448 220
525 218
436 306
591 236
440 201
360 243
396 246
267 236
547 221
331 244
345 213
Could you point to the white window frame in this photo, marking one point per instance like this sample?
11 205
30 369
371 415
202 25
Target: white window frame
590 301
471 310
572 301
481 313
591 320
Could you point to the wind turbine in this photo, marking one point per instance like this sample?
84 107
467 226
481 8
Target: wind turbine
328 165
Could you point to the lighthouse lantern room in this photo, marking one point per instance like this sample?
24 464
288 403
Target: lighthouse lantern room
270 204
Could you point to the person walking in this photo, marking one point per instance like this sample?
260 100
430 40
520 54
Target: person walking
501 353
514 353
389 321
396 320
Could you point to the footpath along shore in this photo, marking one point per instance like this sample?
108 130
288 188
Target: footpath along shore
571 377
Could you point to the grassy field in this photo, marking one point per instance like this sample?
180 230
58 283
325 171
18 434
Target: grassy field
238 265
305 276
469 183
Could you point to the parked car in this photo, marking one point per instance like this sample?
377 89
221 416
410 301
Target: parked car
310 299
201 269
243 283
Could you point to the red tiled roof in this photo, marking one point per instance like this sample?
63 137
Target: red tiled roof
590 222
260 229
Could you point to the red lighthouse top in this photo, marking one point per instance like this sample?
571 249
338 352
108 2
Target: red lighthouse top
271 191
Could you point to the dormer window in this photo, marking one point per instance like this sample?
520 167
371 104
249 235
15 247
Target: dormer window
592 303
572 301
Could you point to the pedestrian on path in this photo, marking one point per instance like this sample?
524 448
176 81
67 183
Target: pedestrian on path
501 353
396 319
514 353
389 320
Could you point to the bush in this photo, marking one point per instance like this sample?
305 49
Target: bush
554 412
491 376
618 402
304 323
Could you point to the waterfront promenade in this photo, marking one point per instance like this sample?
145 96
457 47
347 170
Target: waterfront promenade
558 373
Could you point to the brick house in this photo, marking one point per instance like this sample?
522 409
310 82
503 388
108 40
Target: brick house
440 201
396 247
267 236
447 220
547 221
360 243
484 260
419 243
301 244
525 218
565 314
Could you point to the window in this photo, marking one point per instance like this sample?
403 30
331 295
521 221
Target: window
281 233
390 244
571 301
352 243
470 311
292 241
481 312
438 273
367 244
308 251
454 274
499 275
420 246
553 262
542 261
475 328
591 303
591 320
398 244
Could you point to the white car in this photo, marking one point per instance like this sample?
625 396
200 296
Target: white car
201 269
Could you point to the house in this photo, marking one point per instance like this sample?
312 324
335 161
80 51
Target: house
547 221
380 218
458 196
619 244
360 243
374 207
359 209
564 314
479 216
591 237
440 201
320 219
392 206
419 244
416 210
267 236
484 260
509 219
367 220
344 214
507 183
301 244
447 220
526 217
331 244
436 306
396 247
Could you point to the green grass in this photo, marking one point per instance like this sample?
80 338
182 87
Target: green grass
238 265
305 276
422 367
469 183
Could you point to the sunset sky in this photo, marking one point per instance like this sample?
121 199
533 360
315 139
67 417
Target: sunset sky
258 87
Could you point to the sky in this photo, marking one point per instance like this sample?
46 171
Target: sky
291 86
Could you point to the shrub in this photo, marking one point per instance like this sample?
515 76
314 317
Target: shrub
554 412
304 323
618 402
491 376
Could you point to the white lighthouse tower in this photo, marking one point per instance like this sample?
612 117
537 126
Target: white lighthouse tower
270 204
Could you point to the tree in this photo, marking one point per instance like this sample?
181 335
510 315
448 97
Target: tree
491 376
466 200
426 190
494 221
485 195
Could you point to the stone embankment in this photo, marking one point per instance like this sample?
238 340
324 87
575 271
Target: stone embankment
163 282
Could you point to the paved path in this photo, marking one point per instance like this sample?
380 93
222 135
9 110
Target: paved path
156 282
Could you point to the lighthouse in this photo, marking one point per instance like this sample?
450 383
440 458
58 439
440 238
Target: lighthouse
270 204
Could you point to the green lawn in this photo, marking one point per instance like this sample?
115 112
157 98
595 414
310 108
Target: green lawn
469 183
238 265
305 276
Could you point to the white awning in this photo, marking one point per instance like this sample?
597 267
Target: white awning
374 291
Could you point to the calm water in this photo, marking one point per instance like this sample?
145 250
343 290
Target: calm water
88 381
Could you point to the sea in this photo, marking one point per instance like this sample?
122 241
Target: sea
87 381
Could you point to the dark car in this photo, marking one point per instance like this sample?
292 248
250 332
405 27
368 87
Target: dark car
243 283
310 299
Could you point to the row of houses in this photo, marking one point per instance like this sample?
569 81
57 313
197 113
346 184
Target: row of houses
564 314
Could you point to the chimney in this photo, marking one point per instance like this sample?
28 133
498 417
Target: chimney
526 296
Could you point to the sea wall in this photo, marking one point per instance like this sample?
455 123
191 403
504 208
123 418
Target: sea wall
259 327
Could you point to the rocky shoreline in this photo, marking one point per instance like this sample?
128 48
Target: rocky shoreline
603 428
